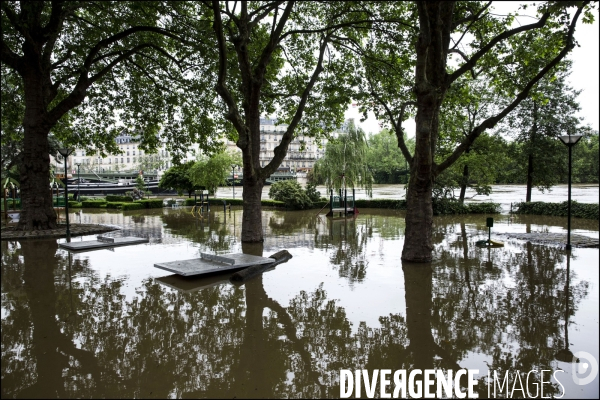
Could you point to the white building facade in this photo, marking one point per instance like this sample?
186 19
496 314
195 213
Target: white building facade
302 152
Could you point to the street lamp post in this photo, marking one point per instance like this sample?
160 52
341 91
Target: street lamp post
233 180
569 141
65 152
78 181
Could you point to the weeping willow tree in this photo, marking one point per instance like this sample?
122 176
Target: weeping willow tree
345 163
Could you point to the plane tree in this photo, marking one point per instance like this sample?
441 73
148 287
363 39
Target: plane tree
281 58
408 71
76 69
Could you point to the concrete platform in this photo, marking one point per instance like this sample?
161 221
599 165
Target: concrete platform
209 263
103 243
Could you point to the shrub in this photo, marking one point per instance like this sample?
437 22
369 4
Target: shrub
578 210
118 198
114 204
74 204
132 206
484 208
272 203
381 203
291 193
151 203
93 203
313 194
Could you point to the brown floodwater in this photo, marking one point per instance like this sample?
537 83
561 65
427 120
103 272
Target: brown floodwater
106 323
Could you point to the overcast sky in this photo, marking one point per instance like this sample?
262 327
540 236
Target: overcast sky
584 75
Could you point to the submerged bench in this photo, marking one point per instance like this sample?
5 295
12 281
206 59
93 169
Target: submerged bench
102 242
211 263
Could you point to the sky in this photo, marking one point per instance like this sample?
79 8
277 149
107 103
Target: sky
584 76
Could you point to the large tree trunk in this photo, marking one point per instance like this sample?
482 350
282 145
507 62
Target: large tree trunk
34 171
252 217
430 87
419 216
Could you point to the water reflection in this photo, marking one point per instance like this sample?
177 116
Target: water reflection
72 329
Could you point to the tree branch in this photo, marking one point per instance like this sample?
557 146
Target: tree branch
505 35
492 121
10 58
233 114
281 150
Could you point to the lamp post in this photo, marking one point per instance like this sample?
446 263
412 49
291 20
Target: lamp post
233 180
66 152
569 141
78 181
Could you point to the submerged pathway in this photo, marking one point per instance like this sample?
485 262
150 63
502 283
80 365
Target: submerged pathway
559 239
9 233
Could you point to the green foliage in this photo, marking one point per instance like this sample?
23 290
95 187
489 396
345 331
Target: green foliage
449 206
132 206
74 204
381 203
178 178
272 203
345 163
93 203
385 159
578 210
212 172
549 112
585 159
150 203
118 198
311 191
140 184
115 204
291 193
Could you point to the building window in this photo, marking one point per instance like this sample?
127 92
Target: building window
122 160
127 160
133 153
133 160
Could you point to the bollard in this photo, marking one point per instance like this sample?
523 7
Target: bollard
489 223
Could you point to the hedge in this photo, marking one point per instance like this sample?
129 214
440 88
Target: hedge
118 198
150 203
93 203
132 206
74 204
447 207
381 203
578 210
115 204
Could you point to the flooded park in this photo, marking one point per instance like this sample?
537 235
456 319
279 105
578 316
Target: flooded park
106 323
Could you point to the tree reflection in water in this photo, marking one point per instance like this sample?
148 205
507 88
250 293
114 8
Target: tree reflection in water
88 339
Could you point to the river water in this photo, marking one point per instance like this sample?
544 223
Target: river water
502 194
106 323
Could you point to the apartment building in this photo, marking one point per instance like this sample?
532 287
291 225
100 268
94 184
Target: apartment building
130 157
303 151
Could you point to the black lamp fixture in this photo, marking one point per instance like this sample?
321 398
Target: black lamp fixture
569 141
65 152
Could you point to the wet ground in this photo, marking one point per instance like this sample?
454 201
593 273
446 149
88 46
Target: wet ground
105 323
